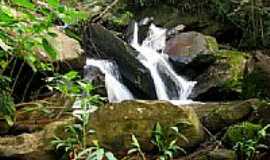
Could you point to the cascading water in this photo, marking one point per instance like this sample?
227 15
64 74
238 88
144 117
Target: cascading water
176 89
156 63
116 91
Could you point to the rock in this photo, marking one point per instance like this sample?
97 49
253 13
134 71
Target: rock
241 132
97 79
256 81
70 52
216 116
114 123
223 79
101 43
192 67
191 53
190 44
222 154
33 146
211 154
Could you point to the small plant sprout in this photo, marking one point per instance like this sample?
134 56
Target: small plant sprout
167 143
136 148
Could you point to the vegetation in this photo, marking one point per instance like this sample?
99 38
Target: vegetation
166 143
27 28
249 148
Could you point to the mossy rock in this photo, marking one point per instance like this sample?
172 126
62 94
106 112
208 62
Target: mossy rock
240 132
223 79
225 115
115 123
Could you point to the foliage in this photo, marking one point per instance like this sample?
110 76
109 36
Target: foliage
75 145
7 106
25 27
247 149
136 148
250 16
166 143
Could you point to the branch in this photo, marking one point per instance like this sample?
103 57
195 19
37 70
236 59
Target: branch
102 14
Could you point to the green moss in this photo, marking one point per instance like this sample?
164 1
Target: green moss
212 43
237 63
240 132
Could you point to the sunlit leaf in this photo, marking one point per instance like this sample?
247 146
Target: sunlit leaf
25 3
52 53
53 3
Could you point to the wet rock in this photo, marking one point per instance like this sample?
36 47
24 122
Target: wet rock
97 79
223 79
192 67
256 82
114 123
101 43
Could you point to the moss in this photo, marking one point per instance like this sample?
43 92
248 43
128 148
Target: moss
240 132
237 63
139 118
212 43
226 115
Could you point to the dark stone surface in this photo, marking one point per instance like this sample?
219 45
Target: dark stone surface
101 43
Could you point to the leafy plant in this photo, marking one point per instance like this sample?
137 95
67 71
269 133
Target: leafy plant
250 16
7 106
247 149
75 145
167 143
136 147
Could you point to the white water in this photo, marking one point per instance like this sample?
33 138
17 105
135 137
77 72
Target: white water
157 64
116 91
155 61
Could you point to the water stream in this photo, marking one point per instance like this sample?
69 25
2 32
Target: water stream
152 57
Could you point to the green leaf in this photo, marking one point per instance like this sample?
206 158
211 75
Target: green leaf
9 120
52 53
110 156
25 4
71 75
4 46
53 3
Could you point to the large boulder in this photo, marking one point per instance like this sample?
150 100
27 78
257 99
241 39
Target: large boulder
191 53
115 123
223 79
70 52
256 83
216 116
190 44
101 43
33 146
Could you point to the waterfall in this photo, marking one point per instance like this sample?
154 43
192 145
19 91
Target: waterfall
168 85
116 91
158 65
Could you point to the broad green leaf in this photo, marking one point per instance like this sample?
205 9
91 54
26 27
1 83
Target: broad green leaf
25 3
52 53
71 75
53 3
